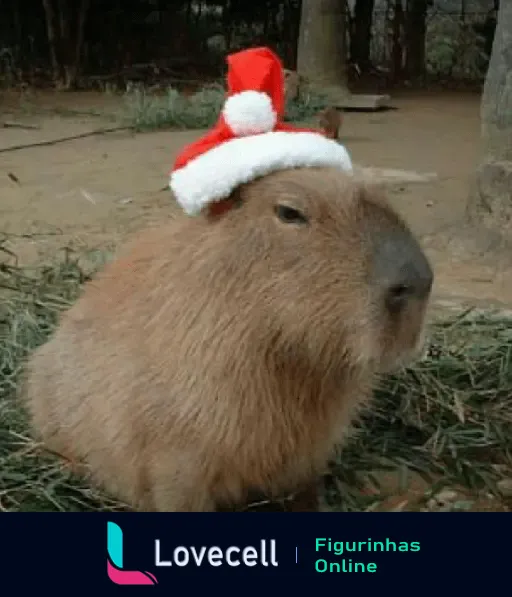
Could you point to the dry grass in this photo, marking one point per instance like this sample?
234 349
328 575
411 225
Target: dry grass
145 111
448 418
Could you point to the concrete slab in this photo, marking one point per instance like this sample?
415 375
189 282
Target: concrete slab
365 103
392 176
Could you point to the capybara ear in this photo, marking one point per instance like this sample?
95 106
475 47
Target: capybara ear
218 208
330 121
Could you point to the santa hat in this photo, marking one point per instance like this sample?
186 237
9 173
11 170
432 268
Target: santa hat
250 138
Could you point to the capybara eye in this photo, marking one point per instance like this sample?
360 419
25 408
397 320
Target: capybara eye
290 215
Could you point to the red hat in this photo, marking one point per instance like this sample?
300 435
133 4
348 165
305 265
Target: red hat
250 138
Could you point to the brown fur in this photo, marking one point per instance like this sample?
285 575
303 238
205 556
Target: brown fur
330 120
291 84
215 357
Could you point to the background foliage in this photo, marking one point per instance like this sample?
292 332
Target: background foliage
97 43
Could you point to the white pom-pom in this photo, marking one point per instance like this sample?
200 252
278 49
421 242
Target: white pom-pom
249 113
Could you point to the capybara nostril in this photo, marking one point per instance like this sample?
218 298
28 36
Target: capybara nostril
413 281
398 295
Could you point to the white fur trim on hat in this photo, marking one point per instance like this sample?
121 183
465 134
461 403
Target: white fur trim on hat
249 112
214 175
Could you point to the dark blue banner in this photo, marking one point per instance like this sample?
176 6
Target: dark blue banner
405 552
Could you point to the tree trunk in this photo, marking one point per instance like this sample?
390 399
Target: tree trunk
51 31
199 13
291 32
188 11
397 52
490 203
79 39
17 23
65 28
415 32
362 34
227 24
321 51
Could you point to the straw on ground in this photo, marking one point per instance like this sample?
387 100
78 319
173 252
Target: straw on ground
449 418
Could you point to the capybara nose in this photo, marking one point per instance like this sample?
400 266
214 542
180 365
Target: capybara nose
402 269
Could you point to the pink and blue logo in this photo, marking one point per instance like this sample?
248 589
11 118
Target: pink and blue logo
115 569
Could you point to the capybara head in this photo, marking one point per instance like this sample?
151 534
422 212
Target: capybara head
330 266
227 353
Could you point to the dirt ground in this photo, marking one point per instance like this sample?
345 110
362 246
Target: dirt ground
92 192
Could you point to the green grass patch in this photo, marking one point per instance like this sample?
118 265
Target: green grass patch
144 111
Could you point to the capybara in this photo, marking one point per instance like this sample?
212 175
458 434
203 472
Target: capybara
222 355
330 120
